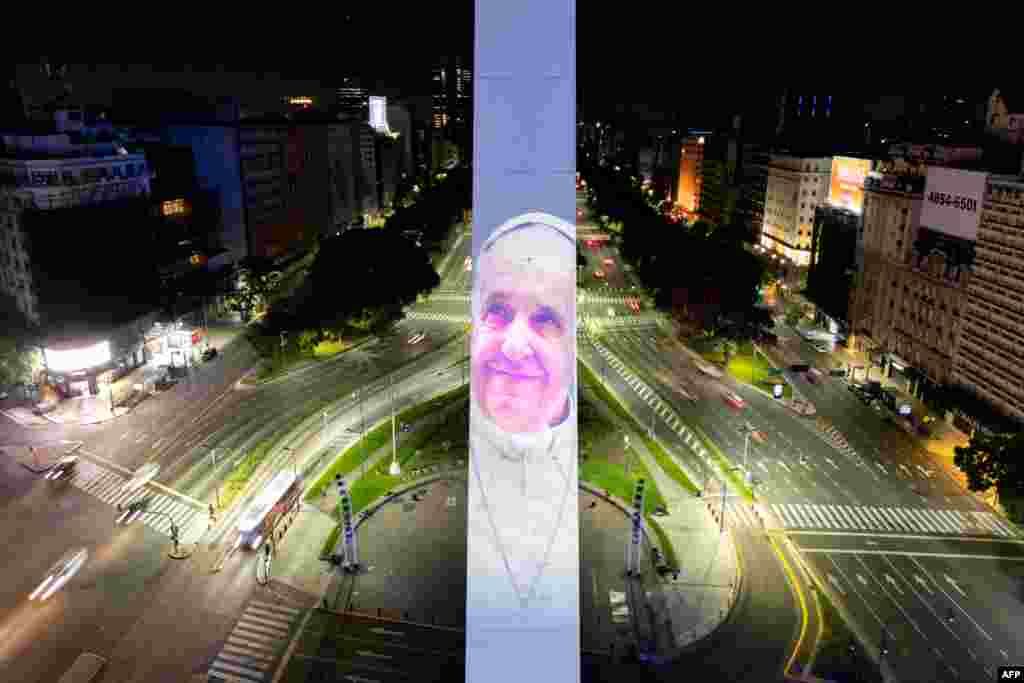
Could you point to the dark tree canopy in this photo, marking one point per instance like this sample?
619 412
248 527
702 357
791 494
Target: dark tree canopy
361 272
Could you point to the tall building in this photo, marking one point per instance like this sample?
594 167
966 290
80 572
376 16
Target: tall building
691 174
752 182
834 120
1004 116
718 190
796 187
51 169
911 285
833 261
989 358
452 97
353 100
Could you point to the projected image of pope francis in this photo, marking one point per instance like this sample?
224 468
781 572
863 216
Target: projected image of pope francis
522 423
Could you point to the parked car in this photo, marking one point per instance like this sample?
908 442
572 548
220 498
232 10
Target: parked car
734 400
209 354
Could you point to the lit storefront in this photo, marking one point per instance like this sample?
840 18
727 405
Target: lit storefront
75 367
174 346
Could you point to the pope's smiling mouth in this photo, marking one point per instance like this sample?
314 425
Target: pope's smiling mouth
515 374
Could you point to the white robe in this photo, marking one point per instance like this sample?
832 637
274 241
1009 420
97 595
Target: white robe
523 578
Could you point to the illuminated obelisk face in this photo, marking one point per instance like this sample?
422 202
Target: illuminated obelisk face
522 583
523 324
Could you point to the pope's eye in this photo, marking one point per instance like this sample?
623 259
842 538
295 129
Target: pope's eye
497 315
546 321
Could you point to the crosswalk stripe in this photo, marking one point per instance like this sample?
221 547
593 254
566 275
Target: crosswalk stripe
281 608
248 624
242 660
242 651
274 622
942 521
925 520
951 520
250 674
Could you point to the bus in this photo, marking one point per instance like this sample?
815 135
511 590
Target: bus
279 499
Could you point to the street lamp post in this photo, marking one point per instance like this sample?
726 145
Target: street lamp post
291 453
625 439
213 463
395 469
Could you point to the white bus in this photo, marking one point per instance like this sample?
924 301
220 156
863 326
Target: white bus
279 498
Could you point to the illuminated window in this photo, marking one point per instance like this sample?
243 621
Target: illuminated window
175 207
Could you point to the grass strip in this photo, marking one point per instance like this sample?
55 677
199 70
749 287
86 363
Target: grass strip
379 481
332 539
663 459
723 464
671 559
356 454
239 477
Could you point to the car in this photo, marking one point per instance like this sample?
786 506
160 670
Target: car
4 395
62 572
821 348
734 400
64 469
210 353
599 274
469 264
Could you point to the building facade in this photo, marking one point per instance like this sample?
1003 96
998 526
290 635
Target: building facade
1004 117
52 172
834 261
796 186
989 357
752 190
691 174
908 301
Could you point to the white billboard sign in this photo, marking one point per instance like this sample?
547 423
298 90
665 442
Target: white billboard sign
379 114
953 202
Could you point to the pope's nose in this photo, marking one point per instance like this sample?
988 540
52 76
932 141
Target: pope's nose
516 346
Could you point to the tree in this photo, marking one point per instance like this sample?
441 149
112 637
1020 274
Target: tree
257 281
363 278
20 357
726 347
793 315
993 460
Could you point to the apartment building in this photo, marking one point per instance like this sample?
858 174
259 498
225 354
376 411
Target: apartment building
908 302
989 358
49 170
796 187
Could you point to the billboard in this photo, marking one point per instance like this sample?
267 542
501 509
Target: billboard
846 188
953 202
523 549
379 114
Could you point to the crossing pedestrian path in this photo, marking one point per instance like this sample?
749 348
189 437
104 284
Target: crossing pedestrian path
438 317
865 518
255 646
106 485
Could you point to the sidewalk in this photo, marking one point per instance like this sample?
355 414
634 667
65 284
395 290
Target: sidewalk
85 410
944 437
694 605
